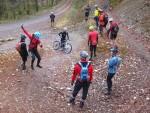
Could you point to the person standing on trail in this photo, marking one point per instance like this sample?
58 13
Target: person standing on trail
112 31
103 20
92 41
34 42
113 65
64 37
96 14
52 17
83 74
87 12
22 49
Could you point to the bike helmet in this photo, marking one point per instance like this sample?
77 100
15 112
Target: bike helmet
101 10
91 28
65 28
23 37
84 54
37 34
52 12
96 5
110 19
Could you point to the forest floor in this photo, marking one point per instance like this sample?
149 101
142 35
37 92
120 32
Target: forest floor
46 90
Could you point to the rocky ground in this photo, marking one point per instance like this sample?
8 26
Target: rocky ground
47 90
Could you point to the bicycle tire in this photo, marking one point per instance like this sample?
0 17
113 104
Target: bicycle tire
56 45
68 48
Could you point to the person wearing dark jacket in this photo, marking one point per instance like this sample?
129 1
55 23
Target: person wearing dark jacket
52 17
34 42
23 51
87 12
83 75
64 37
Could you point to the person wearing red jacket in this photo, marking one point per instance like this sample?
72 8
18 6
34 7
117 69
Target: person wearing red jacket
34 42
83 75
103 20
112 31
92 41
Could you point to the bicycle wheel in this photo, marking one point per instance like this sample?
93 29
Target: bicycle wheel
68 48
56 45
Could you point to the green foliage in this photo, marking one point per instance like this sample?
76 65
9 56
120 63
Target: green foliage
77 13
15 9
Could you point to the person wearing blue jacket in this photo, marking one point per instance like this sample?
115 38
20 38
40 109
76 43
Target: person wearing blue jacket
113 65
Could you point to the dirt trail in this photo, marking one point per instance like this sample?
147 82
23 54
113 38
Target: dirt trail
45 90
39 23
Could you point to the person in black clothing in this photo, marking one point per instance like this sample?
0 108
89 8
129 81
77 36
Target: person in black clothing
23 51
52 17
87 12
64 36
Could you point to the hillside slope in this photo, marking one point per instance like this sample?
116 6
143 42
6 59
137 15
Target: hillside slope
136 14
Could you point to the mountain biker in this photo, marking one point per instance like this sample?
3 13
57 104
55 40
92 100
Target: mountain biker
92 41
64 37
22 49
113 30
96 14
83 75
34 42
113 65
87 12
52 17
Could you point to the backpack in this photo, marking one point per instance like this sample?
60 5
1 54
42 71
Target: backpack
18 46
115 29
106 18
102 17
84 71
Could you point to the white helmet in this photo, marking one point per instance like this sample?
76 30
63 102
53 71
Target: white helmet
100 9
52 12
111 19
96 5
84 54
65 29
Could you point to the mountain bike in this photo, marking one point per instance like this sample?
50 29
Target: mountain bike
66 47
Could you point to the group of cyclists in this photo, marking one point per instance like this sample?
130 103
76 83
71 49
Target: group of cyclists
83 70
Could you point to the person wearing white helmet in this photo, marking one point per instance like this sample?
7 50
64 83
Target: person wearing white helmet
112 31
52 17
34 42
83 75
64 37
110 19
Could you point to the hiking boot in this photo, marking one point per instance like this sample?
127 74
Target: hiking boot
81 104
72 101
23 67
32 67
109 92
39 66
